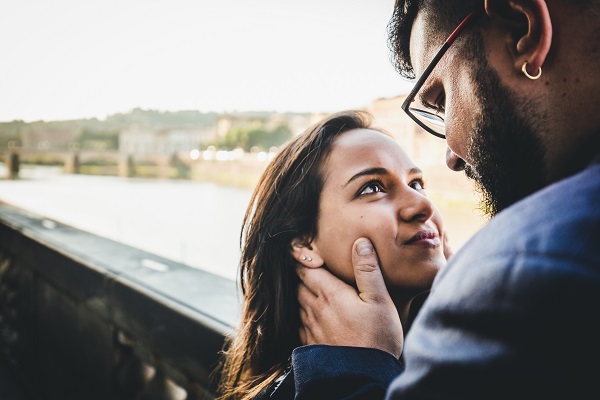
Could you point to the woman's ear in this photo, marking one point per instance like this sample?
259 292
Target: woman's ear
306 254
531 28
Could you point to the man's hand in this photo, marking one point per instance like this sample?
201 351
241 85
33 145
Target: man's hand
332 312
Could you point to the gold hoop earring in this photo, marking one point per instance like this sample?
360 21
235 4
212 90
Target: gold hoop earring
532 77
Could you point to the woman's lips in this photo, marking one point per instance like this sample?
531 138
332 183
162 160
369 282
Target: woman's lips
428 238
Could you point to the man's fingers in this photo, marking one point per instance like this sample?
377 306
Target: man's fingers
369 280
308 302
318 280
305 296
306 337
306 328
310 307
302 334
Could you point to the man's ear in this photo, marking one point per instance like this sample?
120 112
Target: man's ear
306 254
532 29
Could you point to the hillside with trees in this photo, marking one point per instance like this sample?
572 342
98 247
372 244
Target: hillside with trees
253 130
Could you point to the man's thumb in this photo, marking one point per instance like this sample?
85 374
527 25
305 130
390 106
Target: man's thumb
369 280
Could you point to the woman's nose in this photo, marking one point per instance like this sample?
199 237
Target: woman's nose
415 207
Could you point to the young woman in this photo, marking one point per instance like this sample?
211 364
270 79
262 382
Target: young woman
340 180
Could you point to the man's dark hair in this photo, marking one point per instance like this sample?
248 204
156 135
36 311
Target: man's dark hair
442 17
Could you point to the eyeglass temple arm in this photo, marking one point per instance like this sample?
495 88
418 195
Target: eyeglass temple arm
439 55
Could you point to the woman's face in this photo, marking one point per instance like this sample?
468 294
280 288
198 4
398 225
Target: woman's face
372 189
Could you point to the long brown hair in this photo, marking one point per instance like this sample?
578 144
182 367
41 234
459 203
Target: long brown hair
283 207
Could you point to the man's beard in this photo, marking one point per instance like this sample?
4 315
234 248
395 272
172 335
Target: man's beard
508 156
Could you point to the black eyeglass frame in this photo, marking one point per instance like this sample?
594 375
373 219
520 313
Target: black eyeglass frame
419 83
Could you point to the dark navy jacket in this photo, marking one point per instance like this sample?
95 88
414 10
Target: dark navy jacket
514 314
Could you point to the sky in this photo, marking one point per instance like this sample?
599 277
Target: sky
71 59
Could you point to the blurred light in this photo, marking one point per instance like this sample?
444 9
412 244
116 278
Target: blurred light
207 155
195 154
262 156
237 153
222 155
272 152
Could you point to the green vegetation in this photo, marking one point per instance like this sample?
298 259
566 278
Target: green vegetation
162 119
95 134
255 136
248 130
10 134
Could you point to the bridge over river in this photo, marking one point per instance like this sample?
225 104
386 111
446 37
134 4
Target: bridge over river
235 167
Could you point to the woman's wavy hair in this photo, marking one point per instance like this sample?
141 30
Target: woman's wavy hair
283 207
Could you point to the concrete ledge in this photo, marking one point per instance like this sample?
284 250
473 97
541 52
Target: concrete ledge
95 318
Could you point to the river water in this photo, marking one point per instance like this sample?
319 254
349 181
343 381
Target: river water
191 222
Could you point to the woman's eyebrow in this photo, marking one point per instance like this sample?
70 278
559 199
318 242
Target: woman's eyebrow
368 171
415 171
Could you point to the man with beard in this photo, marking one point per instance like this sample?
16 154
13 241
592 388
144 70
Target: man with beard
515 91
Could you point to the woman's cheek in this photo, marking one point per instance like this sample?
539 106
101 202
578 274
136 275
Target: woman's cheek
334 244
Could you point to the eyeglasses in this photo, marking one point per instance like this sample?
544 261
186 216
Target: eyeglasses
431 118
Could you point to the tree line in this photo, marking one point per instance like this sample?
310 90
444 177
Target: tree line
94 133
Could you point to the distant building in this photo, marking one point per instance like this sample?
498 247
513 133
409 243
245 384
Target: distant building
48 136
139 140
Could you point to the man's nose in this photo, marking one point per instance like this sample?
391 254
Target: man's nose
454 162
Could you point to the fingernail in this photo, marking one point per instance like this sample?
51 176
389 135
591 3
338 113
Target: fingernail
364 248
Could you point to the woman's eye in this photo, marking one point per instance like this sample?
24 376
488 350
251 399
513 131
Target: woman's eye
417 185
371 187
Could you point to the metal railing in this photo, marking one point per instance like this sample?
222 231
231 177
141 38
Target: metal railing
84 317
